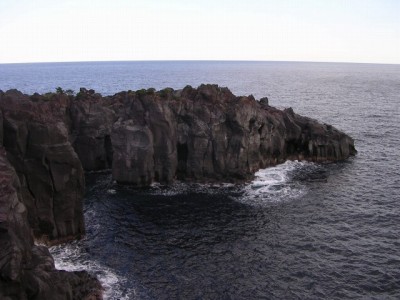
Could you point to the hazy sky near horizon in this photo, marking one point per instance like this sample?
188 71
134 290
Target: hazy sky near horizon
288 30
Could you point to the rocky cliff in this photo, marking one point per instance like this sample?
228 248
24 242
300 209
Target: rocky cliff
27 271
196 134
52 181
41 191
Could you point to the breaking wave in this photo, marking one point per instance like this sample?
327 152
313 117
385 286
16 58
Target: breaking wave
75 256
284 182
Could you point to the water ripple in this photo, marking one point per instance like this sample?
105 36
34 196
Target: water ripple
298 231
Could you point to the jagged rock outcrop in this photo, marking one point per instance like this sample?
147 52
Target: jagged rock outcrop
27 271
1 128
91 125
203 134
144 140
208 134
198 134
51 175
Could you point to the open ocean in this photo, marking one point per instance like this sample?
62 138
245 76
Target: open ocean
298 231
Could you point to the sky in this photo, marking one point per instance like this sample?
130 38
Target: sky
365 31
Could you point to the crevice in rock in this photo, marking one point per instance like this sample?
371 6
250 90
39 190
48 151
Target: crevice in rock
183 154
108 151
260 129
52 196
30 190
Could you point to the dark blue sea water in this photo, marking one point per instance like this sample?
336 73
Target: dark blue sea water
298 231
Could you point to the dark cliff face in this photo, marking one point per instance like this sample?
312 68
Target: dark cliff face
41 191
51 175
203 134
27 271
198 134
91 123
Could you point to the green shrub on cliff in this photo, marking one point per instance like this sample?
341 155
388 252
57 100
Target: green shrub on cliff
141 92
150 91
59 90
165 92
48 96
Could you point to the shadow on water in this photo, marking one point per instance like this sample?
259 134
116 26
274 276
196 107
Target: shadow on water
296 231
188 244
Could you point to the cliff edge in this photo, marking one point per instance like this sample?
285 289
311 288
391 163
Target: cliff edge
203 134
145 136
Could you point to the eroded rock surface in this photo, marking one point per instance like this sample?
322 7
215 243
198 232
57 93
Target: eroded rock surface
208 134
91 125
27 271
201 134
51 175
197 134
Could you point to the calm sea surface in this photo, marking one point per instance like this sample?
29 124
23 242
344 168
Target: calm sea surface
298 231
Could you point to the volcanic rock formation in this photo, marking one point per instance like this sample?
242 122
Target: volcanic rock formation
198 134
51 175
203 134
41 191
27 271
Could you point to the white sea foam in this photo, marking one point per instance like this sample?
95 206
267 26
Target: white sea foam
183 188
73 257
274 184
111 191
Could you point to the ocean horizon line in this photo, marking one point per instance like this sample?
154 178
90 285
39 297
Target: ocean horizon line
197 61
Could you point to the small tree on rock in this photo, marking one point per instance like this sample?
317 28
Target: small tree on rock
59 90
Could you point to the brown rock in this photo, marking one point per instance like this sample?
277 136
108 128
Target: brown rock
144 139
91 125
198 134
209 134
27 271
202 134
36 141
1 127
